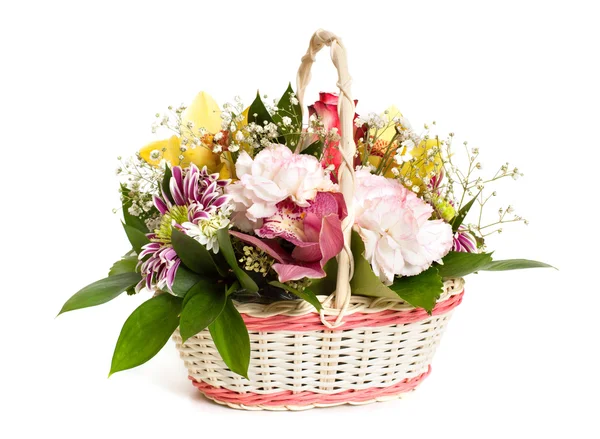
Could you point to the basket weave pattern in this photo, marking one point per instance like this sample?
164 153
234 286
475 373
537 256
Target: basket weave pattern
384 349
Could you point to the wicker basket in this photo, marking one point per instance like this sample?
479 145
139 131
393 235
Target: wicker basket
357 350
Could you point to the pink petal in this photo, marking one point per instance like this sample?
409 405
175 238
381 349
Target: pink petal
329 98
331 238
328 114
310 252
289 272
331 242
270 247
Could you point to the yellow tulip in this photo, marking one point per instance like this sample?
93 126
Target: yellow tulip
202 113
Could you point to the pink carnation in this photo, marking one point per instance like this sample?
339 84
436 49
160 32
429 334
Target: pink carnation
394 224
275 174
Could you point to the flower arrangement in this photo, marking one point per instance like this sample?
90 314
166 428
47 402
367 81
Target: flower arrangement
243 205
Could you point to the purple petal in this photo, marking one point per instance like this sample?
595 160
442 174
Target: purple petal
176 192
160 205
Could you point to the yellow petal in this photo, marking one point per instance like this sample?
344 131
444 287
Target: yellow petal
420 168
168 149
376 161
225 172
201 156
387 133
203 113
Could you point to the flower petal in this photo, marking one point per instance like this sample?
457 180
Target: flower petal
270 247
203 112
287 272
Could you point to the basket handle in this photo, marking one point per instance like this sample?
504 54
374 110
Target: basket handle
347 147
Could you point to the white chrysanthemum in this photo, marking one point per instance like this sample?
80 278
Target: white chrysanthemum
275 174
394 224
205 231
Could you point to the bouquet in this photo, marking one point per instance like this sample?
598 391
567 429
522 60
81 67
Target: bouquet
243 204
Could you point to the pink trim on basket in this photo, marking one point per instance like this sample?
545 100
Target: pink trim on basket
312 322
290 398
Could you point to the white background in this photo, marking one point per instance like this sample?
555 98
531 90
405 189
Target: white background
80 83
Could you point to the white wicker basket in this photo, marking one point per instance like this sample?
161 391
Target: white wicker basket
355 351
383 349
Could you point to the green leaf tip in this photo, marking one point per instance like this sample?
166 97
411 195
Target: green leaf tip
146 331
306 294
101 291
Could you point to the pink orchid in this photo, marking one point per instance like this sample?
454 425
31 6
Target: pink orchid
326 109
315 231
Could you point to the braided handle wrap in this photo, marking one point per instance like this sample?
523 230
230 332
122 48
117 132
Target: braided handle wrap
347 148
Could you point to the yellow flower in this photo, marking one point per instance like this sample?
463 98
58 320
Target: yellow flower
419 169
425 163
202 113
382 138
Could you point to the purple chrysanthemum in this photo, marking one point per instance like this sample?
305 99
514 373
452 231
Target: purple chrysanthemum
464 241
196 189
196 204
159 270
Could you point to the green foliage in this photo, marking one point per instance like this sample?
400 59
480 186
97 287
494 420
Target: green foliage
227 250
165 184
194 255
231 338
326 285
365 282
136 237
306 294
202 305
146 331
126 265
101 291
462 213
258 113
130 220
184 280
315 149
421 291
285 108
459 264
514 264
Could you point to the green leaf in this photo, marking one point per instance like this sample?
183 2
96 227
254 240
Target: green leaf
231 338
126 265
285 108
146 331
462 213
136 237
258 113
130 220
459 264
307 294
184 280
101 291
514 264
421 291
315 149
194 255
326 285
365 282
165 184
227 249
232 288
202 305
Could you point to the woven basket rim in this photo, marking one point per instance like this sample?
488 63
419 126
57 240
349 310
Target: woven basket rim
358 304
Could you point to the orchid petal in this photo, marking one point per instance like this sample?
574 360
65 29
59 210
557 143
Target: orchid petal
270 247
288 272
